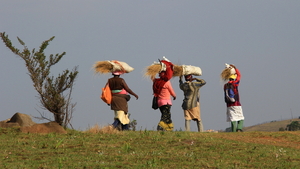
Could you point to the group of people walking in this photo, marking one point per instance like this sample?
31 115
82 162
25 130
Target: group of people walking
164 93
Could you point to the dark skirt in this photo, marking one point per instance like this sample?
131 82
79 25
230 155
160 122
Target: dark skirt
119 102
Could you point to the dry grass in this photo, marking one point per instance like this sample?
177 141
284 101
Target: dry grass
103 67
152 70
225 74
106 129
271 126
178 70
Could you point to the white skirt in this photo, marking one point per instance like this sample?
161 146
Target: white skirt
234 113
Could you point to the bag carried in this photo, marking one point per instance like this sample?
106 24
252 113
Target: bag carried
154 103
106 94
193 70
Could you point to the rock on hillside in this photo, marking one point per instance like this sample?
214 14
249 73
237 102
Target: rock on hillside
44 128
26 125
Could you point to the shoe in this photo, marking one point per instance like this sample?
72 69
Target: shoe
239 130
159 128
125 127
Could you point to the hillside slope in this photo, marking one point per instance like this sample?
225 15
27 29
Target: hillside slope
271 126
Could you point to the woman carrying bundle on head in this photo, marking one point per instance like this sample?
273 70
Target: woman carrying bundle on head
163 90
119 91
231 93
120 97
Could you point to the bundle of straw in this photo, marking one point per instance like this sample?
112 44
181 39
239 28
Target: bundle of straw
225 74
178 71
152 70
229 70
103 67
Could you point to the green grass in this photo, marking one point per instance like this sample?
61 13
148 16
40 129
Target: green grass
149 149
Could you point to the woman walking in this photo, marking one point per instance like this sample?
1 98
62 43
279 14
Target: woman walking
163 90
118 89
120 97
231 93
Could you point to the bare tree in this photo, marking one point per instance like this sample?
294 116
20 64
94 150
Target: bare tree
54 93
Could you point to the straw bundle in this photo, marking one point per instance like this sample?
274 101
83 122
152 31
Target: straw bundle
177 70
225 74
103 67
152 70
157 67
229 70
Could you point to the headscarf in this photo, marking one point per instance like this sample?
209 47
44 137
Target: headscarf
165 76
118 72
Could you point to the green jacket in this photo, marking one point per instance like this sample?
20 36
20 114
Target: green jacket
191 93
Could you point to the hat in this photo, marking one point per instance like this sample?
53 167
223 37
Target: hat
233 76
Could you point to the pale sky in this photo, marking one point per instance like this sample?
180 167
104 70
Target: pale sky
262 38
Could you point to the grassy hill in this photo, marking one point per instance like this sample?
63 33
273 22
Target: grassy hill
108 149
271 126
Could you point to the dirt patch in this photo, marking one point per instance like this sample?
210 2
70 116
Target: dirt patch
44 128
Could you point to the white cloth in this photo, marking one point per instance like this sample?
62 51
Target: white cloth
193 70
122 117
119 65
234 113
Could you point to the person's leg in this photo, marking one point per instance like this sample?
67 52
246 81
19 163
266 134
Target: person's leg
168 118
125 127
161 123
121 120
117 124
159 128
187 125
200 126
240 125
233 126
165 121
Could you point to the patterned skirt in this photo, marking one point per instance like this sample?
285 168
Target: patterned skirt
165 123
